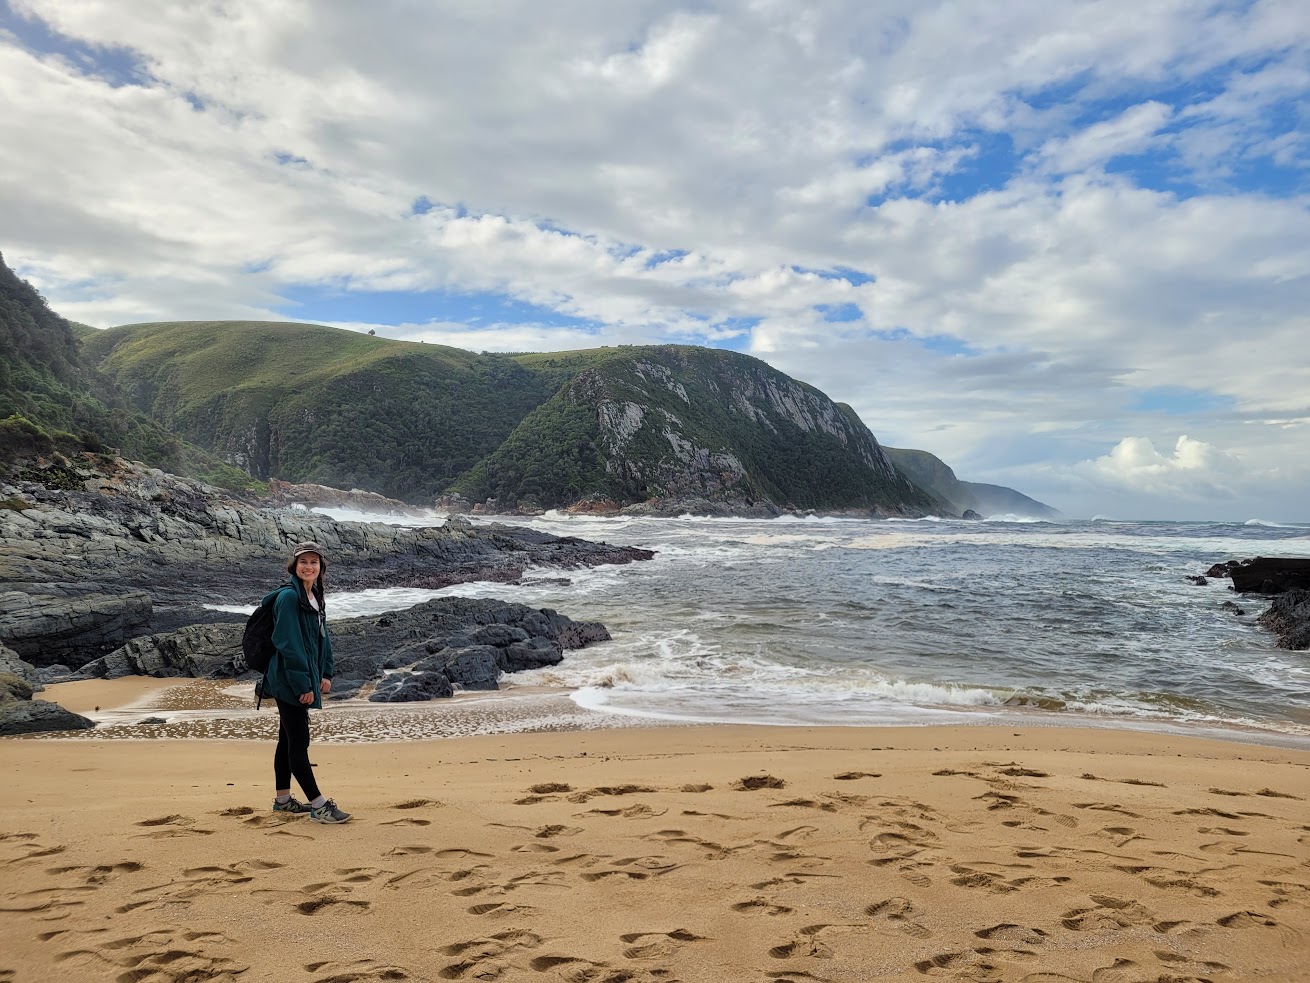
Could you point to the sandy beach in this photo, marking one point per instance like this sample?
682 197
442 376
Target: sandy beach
677 853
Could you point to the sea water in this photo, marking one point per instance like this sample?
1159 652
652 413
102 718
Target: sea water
808 620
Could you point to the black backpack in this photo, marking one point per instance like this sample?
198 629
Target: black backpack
257 642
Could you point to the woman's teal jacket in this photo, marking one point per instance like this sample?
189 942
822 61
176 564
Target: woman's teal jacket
304 651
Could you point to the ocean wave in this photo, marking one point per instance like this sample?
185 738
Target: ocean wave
1269 524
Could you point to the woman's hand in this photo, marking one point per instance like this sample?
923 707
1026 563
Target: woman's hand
326 686
306 698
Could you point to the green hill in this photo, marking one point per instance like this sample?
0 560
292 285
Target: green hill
633 424
308 403
933 474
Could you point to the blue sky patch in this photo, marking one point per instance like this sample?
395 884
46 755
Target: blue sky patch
837 313
1180 401
338 303
118 66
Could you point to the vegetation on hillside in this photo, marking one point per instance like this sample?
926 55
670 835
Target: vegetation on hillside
52 402
713 424
308 403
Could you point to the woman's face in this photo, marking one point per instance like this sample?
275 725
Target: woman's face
307 566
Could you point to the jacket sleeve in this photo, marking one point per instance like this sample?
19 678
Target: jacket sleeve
328 664
290 642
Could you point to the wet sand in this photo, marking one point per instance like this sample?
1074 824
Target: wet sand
1036 854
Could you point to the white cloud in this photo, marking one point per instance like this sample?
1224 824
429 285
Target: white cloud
1134 131
673 172
1194 469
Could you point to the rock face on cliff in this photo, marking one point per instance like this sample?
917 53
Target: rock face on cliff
672 425
95 553
934 475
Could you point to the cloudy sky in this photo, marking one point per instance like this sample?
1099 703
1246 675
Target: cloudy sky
1062 244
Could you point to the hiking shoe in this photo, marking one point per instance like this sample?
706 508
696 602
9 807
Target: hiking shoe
291 805
329 813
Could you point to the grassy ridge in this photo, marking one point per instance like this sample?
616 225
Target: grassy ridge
312 403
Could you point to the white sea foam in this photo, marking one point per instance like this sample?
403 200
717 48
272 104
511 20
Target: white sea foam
804 619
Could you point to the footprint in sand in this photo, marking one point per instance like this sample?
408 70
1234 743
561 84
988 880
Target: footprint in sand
1109 914
752 783
408 822
580 797
313 906
1009 932
549 832
974 964
761 906
899 913
499 909
162 955
656 945
416 804
349 877
1288 937
170 826
483 959
363 971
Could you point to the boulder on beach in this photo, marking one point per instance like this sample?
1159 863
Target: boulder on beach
20 714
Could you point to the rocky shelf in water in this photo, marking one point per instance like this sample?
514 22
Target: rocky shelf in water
1286 579
106 565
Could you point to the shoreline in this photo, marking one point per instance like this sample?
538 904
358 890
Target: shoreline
193 707
691 853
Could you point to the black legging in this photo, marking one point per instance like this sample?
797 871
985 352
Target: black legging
292 754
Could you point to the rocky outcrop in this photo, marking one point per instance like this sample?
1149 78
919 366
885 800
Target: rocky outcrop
52 629
1269 575
1288 616
1288 578
11 664
423 652
101 553
212 651
20 714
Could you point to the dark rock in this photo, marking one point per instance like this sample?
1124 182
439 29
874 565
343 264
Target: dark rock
1222 569
36 716
1270 575
1288 616
971 514
46 629
152 721
533 654
20 714
54 674
446 636
1233 607
580 634
211 651
1199 581
474 667
499 635
11 664
407 687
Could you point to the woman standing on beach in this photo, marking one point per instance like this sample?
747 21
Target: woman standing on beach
299 673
